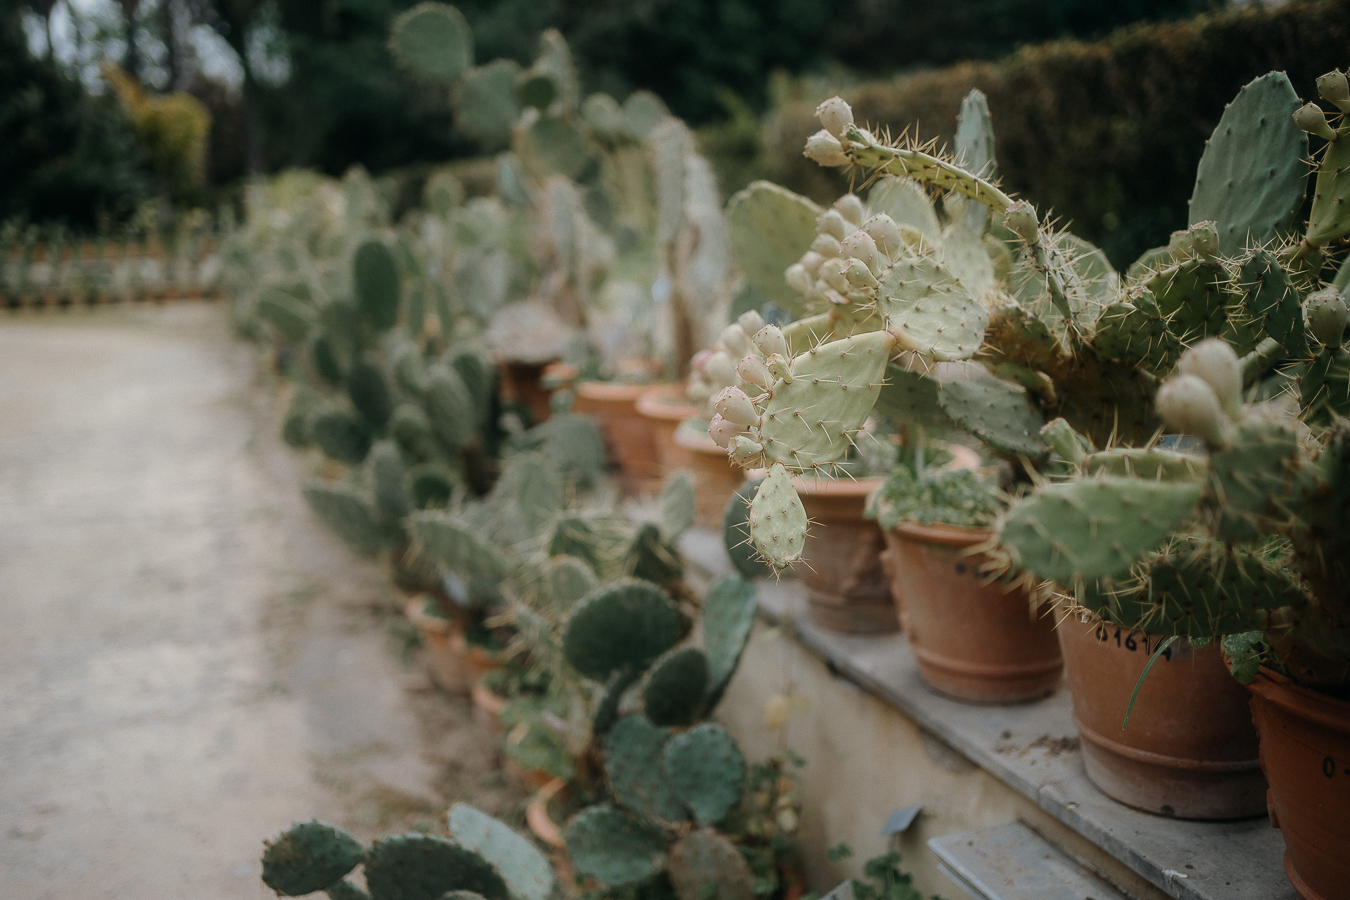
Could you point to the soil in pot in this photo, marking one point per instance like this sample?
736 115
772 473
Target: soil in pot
973 639
716 477
841 566
1305 754
627 433
665 407
1190 749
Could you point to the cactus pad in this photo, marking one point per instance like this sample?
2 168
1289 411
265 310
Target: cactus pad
486 106
433 41
323 357
907 203
622 625
633 767
736 532
704 864
340 436
569 580
369 393
345 890
728 618
556 146
606 844
457 545
1110 404
1272 300
770 228
1251 477
421 866
525 870
675 688
706 771
1096 528
288 315
1324 387
431 486
930 310
347 513
677 505
996 413
309 856
450 408
810 422
375 277
1148 464
1330 217
652 558
386 477
1191 296
1126 332
778 520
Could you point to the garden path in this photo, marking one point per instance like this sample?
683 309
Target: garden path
188 661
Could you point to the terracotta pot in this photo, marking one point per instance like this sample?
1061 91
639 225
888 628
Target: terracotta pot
1305 754
716 477
445 648
522 384
973 639
487 706
666 407
1190 749
846 585
538 817
628 433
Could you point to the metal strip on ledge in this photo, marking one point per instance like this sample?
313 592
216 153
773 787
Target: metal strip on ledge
1012 862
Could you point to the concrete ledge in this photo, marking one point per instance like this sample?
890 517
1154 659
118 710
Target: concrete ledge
1033 749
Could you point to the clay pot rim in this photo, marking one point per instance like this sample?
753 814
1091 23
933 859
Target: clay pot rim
612 391
537 814
1328 712
650 405
943 534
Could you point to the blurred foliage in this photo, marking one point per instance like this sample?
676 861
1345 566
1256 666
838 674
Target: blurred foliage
172 130
1107 135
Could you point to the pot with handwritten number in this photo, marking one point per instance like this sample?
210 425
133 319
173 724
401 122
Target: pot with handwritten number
1189 750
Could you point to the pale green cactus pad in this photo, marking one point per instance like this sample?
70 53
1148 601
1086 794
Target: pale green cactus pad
1147 463
930 310
287 314
778 520
433 41
728 618
485 101
348 513
456 544
907 203
525 870
770 228
386 478
606 844
736 533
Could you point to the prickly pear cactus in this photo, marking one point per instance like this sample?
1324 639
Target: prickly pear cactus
308 857
705 864
632 752
624 625
416 866
706 772
608 845
674 693
778 519
433 41
526 871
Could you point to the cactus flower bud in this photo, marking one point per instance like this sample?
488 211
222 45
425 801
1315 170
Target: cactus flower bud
1188 405
780 366
736 341
1333 88
827 245
886 234
799 279
833 223
1199 241
743 449
832 273
720 369
1311 119
1215 363
824 149
735 406
859 276
811 261
851 208
860 246
770 340
698 391
752 369
1326 313
1021 220
750 321
835 116
699 360
723 432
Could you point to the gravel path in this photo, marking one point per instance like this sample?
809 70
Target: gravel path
188 662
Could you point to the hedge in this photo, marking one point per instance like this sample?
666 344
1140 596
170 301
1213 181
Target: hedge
1107 135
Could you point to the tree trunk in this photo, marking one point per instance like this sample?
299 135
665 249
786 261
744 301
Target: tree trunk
131 60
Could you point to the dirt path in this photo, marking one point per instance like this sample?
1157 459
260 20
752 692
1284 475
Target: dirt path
188 662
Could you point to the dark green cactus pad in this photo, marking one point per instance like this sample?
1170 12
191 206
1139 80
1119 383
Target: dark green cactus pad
348 513
369 393
485 101
556 146
411 428
633 750
998 414
449 407
675 688
1251 478
1094 529
568 580
309 856
410 371
426 866
936 314
622 625
457 545
575 537
342 323
433 42
651 557
1271 299
911 398
1192 297
295 424
345 890
1324 387
607 711
289 315
704 864
478 378
1126 332
461 895
706 772
769 228
431 485
1252 177
736 532
392 501
1017 335
677 505
1109 403
536 89
606 844
375 278
1330 217
340 435
727 621
525 870
325 360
